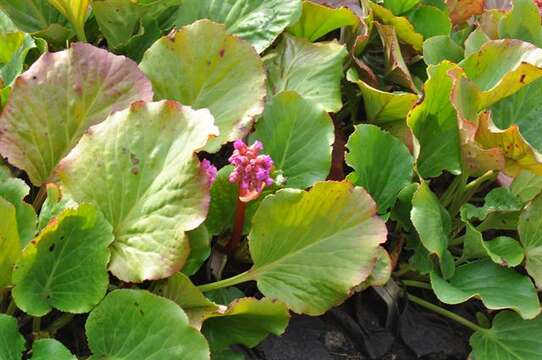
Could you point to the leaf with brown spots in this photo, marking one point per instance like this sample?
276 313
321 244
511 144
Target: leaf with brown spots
58 98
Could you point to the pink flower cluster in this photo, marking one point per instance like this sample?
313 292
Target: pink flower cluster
210 170
252 171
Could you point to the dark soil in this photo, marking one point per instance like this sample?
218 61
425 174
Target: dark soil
357 331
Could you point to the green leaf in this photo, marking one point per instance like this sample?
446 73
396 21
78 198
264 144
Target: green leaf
85 94
147 182
382 164
396 69
293 234
383 107
440 48
530 235
13 66
227 355
522 23
224 296
430 21
246 321
47 349
381 273
500 200
433 224
257 21
120 20
203 67
15 190
314 71
76 12
434 124
200 249
510 338
32 16
399 7
12 343
9 242
180 290
65 267
298 136
523 109
497 287
475 41
500 69
404 29
526 186
318 20
146 327
53 205
502 250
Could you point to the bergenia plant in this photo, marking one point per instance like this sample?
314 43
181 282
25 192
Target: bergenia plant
386 176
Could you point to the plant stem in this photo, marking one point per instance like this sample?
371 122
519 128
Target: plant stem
417 284
11 307
238 225
445 313
59 323
40 198
36 325
448 195
237 279
469 190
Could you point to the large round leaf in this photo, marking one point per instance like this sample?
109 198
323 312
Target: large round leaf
298 137
257 21
58 98
382 164
11 342
65 267
138 167
314 71
510 338
137 325
48 349
497 287
121 20
310 248
202 66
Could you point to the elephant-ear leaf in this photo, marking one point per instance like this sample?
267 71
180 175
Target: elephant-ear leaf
146 326
139 168
509 338
58 98
259 22
65 267
314 71
203 67
47 349
293 234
